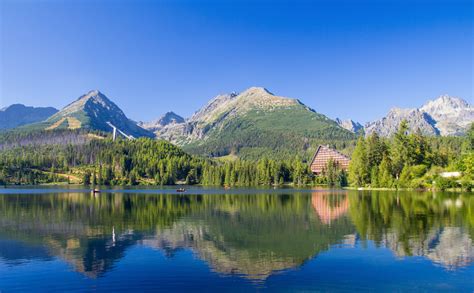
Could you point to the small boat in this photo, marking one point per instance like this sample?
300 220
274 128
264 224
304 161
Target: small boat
95 190
181 190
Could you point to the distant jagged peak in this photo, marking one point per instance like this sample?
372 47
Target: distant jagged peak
446 103
445 115
389 124
350 125
449 99
18 106
453 115
169 118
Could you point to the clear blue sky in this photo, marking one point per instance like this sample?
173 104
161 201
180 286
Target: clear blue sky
348 59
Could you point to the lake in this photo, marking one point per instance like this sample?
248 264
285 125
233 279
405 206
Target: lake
54 239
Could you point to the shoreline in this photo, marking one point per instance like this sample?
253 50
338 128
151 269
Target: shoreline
288 186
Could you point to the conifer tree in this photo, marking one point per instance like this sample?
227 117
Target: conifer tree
359 168
400 150
385 173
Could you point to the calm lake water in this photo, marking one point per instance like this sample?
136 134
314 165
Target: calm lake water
237 240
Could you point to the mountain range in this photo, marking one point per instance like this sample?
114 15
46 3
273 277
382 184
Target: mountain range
446 116
92 111
169 118
18 115
248 124
350 125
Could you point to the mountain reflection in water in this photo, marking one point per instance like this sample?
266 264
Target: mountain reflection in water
250 235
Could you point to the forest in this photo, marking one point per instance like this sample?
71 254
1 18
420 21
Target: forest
402 161
142 161
412 161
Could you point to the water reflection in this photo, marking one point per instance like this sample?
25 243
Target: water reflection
418 225
253 236
330 205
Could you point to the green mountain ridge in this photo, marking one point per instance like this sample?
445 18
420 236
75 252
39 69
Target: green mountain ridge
92 111
248 125
253 123
18 115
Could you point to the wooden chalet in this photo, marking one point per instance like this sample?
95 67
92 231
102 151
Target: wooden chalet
323 155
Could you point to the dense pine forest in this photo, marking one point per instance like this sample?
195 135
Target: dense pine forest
132 162
413 161
402 161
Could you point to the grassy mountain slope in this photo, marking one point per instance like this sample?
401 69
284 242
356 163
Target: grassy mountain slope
92 111
253 124
280 132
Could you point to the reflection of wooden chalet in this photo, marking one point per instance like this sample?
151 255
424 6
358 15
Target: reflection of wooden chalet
330 206
323 155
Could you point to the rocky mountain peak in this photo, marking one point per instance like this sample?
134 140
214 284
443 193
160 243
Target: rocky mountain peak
91 100
216 103
96 96
94 93
350 125
256 98
255 110
452 115
445 115
445 104
169 118
389 124
94 111
91 95
257 91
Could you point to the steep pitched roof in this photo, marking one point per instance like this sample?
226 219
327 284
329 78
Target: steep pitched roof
324 154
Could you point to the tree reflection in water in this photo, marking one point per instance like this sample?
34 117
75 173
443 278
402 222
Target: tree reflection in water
418 224
252 235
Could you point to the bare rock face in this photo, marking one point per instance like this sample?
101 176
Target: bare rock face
443 116
169 118
350 125
453 115
213 106
416 119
